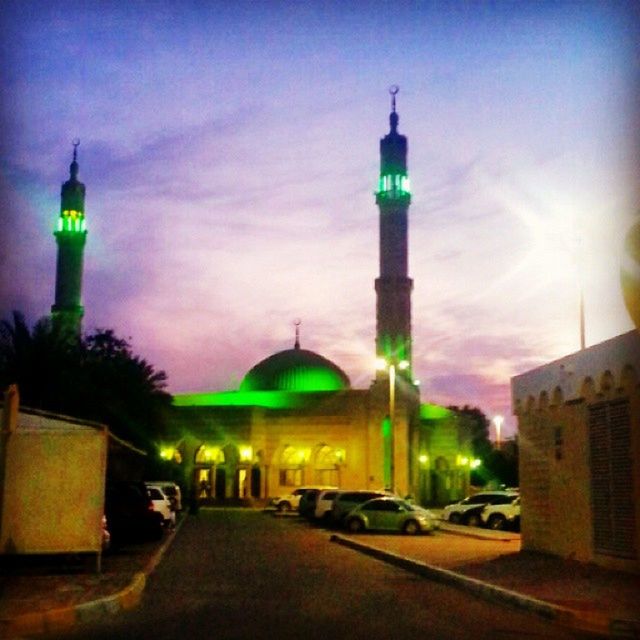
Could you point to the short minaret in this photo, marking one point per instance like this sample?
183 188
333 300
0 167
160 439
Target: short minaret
71 235
393 287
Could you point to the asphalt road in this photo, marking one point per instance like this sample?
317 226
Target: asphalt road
244 574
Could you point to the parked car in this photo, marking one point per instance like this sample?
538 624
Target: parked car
502 515
390 514
162 504
307 504
291 501
170 489
130 514
346 501
468 511
324 503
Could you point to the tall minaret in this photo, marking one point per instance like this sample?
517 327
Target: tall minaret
71 235
393 287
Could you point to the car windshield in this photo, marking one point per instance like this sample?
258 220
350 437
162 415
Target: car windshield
155 494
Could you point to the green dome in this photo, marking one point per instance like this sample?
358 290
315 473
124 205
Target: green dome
295 370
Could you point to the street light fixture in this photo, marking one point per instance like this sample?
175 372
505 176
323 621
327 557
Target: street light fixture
382 364
498 421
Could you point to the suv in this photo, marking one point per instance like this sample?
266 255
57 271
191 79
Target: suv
468 511
505 515
346 501
291 502
162 504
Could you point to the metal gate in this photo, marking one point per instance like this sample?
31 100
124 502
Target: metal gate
612 479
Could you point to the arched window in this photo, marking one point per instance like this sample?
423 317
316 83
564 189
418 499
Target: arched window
206 454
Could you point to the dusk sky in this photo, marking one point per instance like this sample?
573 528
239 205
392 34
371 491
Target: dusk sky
230 154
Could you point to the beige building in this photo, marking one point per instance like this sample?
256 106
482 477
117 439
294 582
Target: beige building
579 434
296 421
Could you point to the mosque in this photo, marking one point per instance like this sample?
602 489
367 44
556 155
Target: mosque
295 419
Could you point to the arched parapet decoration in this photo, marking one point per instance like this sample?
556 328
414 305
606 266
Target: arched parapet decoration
543 401
518 408
629 379
607 383
557 398
588 389
530 404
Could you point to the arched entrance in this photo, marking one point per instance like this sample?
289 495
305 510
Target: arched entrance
209 479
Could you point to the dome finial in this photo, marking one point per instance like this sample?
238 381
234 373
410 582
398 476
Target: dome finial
297 322
393 117
73 169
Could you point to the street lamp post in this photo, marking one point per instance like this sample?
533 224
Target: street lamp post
497 422
391 368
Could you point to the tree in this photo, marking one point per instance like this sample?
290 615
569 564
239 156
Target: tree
96 377
477 424
499 467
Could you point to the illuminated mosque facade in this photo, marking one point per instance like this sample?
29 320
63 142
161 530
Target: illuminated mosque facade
295 419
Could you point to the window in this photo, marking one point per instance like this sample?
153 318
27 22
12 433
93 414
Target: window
558 441
290 477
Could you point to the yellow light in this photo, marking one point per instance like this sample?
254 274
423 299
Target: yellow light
211 453
464 460
423 458
340 455
246 454
475 463
416 383
166 453
381 364
402 365
303 455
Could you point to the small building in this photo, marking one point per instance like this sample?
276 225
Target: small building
579 433
53 473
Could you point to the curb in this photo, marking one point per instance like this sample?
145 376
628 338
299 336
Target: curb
594 622
59 620
479 534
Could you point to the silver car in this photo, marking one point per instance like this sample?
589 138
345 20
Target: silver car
390 514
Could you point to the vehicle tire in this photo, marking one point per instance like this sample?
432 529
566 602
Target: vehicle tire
454 518
497 522
411 528
283 506
473 520
355 525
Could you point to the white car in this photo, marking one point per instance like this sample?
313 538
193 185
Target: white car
324 504
162 504
502 516
291 501
467 511
170 489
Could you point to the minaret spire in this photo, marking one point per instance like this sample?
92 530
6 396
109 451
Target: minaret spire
297 322
71 235
393 287
393 116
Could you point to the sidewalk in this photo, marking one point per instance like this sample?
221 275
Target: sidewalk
55 597
578 595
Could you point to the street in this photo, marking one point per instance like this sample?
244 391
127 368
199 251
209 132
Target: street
244 574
